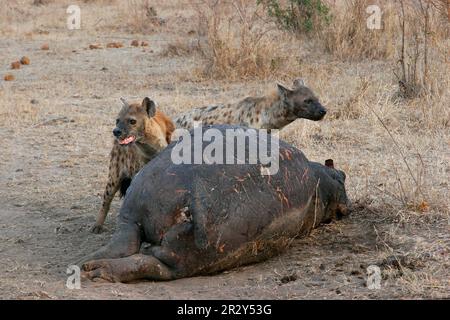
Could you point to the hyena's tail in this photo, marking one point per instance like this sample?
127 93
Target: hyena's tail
124 184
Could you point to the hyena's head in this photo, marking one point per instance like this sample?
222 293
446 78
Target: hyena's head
301 102
135 122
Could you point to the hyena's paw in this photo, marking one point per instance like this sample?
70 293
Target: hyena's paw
97 229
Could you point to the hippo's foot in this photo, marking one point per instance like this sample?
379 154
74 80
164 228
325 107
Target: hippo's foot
97 228
106 269
127 269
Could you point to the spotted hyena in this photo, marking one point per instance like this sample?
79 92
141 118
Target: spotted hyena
141 132
273 111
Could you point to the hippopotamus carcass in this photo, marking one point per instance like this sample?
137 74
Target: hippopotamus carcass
182 220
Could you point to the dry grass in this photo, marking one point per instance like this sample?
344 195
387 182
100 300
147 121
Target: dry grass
395 151
348 38
238 44
423 50
182 47
141 16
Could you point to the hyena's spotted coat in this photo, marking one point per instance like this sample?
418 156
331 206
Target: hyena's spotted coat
273 111
141 132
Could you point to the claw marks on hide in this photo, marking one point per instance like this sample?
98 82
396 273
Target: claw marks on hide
286 154
182 215
283 199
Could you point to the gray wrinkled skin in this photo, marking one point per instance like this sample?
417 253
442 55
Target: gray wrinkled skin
201 219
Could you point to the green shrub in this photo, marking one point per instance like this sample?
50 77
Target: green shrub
299 16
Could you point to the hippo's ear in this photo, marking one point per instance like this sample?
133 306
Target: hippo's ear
299 82
282 91
329 163
149 106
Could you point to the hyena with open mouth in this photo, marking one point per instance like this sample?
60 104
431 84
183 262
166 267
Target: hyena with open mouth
141 132
273 111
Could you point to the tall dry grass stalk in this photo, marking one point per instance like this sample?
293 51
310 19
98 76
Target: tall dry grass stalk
141 16
423 50
238 44
348 37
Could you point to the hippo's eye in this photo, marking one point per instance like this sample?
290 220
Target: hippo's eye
117 121
132 121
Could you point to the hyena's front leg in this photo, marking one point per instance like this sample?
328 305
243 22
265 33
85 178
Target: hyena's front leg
110 191
108 196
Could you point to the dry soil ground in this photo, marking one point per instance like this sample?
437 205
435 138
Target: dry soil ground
55 127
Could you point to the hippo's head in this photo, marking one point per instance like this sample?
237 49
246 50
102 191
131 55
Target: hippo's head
341 203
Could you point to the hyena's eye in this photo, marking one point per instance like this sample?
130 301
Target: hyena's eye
309 101
132 121
117 121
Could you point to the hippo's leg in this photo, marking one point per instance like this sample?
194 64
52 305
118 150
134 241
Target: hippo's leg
159 262
177 250
137 266
125 242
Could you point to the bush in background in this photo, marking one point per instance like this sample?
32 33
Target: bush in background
299 16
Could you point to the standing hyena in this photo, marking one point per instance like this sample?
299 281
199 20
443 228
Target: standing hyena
273 111
141 132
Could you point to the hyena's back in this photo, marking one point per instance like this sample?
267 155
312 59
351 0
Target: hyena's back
272 111
203 114
244 113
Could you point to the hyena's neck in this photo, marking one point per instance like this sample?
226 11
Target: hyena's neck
146 151
277 115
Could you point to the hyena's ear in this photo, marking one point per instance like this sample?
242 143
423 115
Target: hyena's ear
124 102
282 91
149 106
299 82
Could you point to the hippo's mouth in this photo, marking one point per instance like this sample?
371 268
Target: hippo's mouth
127 140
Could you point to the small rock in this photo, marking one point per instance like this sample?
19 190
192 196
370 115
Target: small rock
114 45
288 278
8 77
34 101
61 230
15 65
45 46
95 46
135 43
25 60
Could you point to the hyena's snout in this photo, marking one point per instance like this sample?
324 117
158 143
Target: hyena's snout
316 111
321 111
117 132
